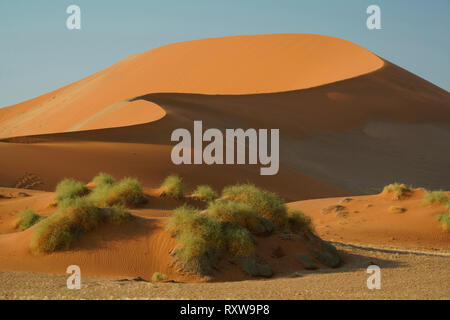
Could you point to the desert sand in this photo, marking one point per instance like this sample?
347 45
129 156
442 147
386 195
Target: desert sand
350 122
368 220
117 262
404 276
229 65
136 249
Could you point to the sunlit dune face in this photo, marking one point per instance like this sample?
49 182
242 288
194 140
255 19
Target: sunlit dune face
229 65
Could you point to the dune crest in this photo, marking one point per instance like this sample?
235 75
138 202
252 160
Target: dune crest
229 65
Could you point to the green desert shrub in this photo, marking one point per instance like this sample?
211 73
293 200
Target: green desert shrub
61 230
445 221
232 212
158 277
117 214
436 197
173 187
103 179
205 193
27 218
202 239
239 242
266 204
126 192
73 218
70 189
398 189
187 219
298 221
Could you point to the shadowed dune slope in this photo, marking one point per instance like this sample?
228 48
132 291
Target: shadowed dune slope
228 65
354 135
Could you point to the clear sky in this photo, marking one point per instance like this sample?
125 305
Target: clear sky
39 54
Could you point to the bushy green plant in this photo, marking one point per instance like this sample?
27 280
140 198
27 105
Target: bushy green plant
73 218
239 242
26 219
117 214
103 179
397 189
203 238
205 193
445 221
173 187
126 192
232 212
199 238
264 203
70 189
298 221
60 230
436 197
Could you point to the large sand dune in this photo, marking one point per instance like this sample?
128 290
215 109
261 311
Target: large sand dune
354 135
230 65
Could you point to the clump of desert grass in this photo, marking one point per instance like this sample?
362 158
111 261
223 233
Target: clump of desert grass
204 193
239 242
436 197
103 179
80 211
72 220
127 192
398 190
445 221
299 221
60 230
26 219
200 238
396 209
225 227
70 189
232 212
270 206
173 187
265 203
159 277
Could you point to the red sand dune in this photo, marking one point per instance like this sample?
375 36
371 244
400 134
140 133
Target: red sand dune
229 65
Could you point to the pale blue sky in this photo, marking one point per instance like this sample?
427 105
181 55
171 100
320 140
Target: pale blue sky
39 54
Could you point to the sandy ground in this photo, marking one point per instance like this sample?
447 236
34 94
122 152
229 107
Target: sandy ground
368 220
403 276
